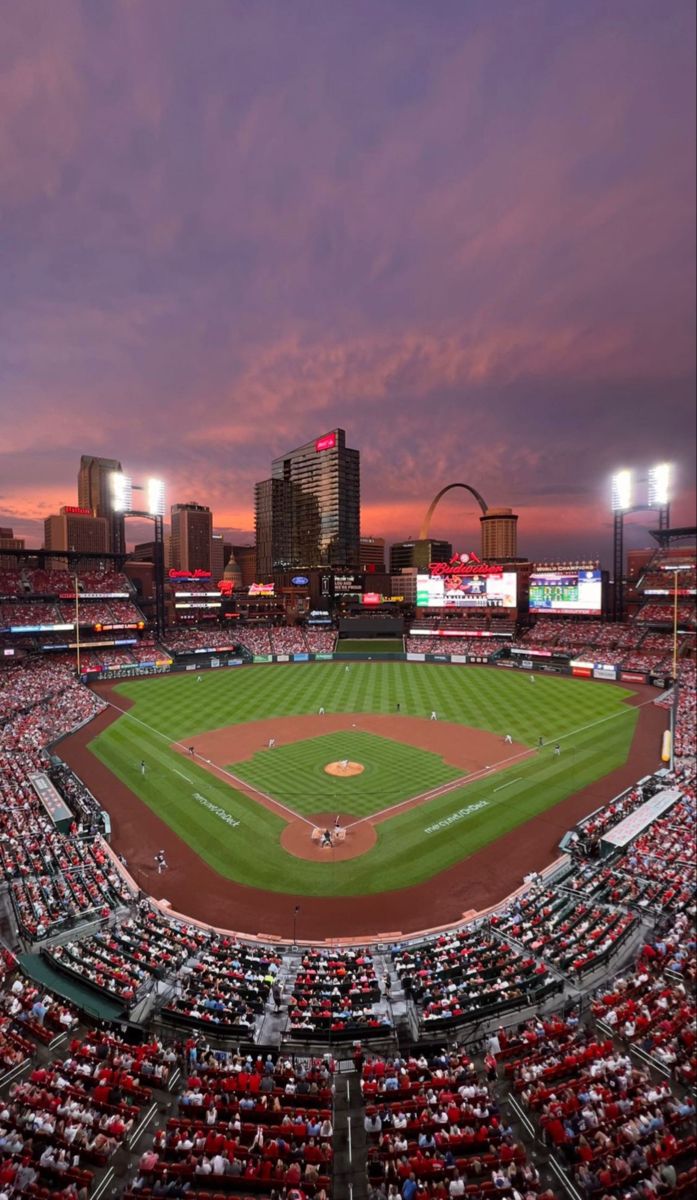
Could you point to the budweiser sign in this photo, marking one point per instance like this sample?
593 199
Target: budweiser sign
465 564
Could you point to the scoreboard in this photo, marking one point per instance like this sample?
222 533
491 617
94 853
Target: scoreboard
573 590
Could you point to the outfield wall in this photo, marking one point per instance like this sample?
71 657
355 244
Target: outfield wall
585 670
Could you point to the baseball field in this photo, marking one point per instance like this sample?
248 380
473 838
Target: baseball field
439 779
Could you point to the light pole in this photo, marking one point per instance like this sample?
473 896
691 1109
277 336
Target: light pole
296 910
675 624
77 627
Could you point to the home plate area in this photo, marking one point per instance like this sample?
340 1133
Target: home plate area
328 837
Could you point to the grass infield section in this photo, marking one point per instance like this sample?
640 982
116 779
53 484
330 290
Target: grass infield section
393 772
241 840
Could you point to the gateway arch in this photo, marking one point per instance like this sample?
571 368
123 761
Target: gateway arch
426 523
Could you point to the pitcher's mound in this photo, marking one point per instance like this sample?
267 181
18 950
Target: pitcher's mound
344 769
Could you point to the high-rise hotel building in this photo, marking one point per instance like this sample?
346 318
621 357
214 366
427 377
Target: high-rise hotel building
95 492
190 541
308 513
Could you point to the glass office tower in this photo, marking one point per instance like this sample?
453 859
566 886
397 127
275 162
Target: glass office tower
308 513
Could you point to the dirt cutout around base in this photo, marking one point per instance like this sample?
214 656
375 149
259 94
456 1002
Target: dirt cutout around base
344 769
297 838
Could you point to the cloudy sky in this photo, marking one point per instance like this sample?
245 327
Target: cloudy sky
464 231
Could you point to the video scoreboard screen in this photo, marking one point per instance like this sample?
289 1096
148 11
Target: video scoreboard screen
469 591
572 590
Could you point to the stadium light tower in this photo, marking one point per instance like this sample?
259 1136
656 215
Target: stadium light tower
622 491
122 489
623 502
659 492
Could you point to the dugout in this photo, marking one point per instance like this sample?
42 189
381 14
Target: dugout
52 802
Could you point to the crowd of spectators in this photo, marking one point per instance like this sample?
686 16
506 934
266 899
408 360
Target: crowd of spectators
573 936
255 639
468 974
99 966
15 613
288 639
653 1006
632 646
664 614
320 641
71 1114
435 1129
336 994
616 1130
686 718
478 646
39 581
225 983
248 1122
663 856
179 640
281 639
32 683
55 879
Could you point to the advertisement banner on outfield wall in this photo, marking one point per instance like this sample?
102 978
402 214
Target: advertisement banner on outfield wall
235 662
262 658
301 657
323 657
504 662
439 658
215 662
582 672
413 657
526 664
283 658
632 677
603 672
461 658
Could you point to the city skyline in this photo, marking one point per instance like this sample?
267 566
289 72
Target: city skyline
463 234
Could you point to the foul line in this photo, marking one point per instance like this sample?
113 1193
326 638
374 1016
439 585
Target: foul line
510 781
275 804
482 773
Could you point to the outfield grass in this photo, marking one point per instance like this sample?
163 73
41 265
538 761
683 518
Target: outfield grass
593 723
393 772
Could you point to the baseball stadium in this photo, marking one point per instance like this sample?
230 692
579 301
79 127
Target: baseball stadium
314 886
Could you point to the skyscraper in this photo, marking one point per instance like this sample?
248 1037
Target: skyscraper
217 556
418 554
499 533
308 512
94 491
192 527
76 529
372 553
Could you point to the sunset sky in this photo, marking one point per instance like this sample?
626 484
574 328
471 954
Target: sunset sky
463 231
